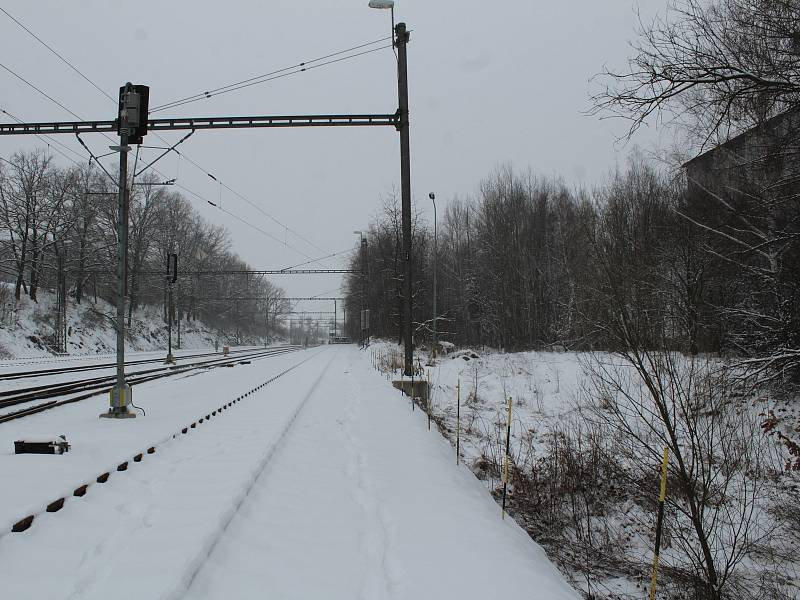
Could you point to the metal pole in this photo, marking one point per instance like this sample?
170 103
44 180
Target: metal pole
170 358
435 246
120 395
122 263
178 315
401 40
363 290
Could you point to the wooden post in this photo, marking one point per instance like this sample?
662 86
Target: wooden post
659 520
506 458
428 399
458 420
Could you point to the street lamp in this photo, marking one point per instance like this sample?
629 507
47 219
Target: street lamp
382 5
400 36
432 196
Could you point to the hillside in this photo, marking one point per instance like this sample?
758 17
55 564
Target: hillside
26 328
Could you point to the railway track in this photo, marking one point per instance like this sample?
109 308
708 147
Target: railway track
88 388
109 365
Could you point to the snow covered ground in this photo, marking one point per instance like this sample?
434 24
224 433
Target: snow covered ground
26 328
547 390
321 484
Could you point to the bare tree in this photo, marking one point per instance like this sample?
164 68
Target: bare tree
726 64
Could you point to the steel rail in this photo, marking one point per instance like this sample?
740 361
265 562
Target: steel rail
150 375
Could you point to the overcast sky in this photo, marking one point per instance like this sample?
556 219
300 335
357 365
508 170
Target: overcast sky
491 83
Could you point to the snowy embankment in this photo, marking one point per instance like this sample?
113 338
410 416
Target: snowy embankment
552 394
320 485
26 329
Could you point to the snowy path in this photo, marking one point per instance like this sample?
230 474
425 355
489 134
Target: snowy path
321 485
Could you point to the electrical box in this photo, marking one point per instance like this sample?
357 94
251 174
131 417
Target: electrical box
42 445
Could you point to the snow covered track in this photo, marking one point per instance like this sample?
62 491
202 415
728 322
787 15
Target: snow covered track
80 491
26 374
92 385
321 485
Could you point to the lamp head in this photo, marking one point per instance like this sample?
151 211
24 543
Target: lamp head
432 196
381 3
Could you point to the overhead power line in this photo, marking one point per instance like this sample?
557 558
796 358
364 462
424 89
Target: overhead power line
64 60
48 140
272 75
248 201
42 92
305 65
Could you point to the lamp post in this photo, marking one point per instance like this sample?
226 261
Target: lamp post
362 321
400 41
432 196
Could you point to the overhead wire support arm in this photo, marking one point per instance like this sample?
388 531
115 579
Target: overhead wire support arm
273 121
97 160
166 151
267 272
76 127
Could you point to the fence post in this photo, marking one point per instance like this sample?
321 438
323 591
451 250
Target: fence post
428 398
659 521
458 420
506 458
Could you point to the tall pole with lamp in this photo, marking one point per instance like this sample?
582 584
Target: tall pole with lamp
362 322
401 36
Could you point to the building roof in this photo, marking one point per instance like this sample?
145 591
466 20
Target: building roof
737 139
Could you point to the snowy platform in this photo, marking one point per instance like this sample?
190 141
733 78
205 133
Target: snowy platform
322 484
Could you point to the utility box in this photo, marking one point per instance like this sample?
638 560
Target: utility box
226 350
41 445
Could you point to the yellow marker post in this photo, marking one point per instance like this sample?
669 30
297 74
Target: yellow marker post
661 497
428 399
458 420
507 457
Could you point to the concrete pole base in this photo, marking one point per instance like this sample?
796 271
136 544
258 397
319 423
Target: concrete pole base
170 360
121 412
120 402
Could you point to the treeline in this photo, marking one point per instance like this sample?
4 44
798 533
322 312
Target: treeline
60 224
532 263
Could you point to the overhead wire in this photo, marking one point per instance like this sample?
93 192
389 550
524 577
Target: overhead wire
64 60
319 259
48 140
264 77
238 218
248 201
303 66
295 72
42 92
96 159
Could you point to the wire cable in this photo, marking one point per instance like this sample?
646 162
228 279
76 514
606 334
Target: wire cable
302 66
223 89
47 139
64 60
295 72
43 93
238 218
250 202
319 259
